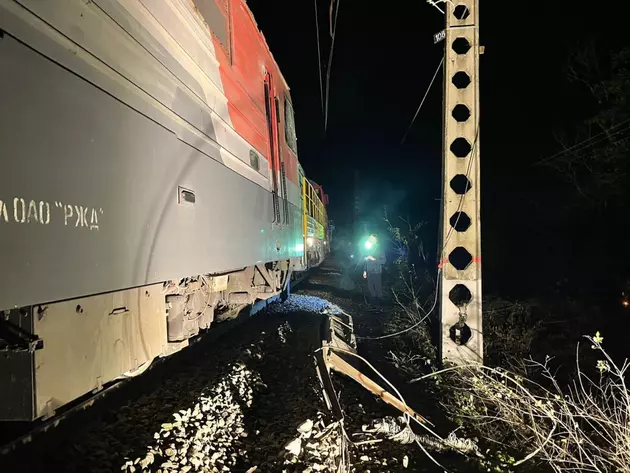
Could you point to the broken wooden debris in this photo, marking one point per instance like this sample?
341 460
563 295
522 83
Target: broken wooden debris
338 334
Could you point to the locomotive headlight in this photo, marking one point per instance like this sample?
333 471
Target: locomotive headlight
310 241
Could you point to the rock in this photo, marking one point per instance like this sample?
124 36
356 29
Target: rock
294 447
306 427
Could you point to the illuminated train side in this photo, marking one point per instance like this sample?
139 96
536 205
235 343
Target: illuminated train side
149 182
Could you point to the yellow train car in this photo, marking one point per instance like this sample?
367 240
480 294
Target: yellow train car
314 222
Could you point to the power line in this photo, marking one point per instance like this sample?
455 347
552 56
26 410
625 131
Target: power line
400 332
583 144
436 3
330 58
319 57
423 99
584 152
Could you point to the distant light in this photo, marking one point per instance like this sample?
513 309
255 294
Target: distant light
310 241
626 303
299 247
370 242
351 256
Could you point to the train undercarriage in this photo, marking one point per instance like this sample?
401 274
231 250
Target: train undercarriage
52 354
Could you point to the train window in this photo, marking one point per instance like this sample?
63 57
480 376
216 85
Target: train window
289 125
216 15
254 161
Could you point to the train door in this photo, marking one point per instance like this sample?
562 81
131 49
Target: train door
272 127
304 213
283 171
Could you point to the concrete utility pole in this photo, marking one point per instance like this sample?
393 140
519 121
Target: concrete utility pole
462 335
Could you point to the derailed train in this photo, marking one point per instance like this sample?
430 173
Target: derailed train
149 182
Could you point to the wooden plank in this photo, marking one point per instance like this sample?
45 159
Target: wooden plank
338 364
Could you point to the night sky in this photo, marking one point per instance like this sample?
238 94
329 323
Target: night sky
384 59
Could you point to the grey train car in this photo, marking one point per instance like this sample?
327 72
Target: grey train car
149 181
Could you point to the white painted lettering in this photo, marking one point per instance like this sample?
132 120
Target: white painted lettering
81 214
32 212
44 213
67 213
39 211
94 220
19 210
3 212
84 221
77 210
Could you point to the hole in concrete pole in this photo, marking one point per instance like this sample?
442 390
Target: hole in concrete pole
460 184
461 12
460 258
461 112
460 221
460 147
460 334
461 80
460 295
461 45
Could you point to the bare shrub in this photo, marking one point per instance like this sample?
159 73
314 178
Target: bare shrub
583 427
412 283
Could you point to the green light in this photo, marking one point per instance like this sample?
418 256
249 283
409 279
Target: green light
371 242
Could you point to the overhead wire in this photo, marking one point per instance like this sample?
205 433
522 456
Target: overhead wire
330 58
436 3
400 332
580 146
319 57
423 100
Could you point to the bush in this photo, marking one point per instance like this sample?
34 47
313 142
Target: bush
509 330
584 427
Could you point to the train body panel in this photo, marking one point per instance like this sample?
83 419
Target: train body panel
103 158
111 334
148 150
